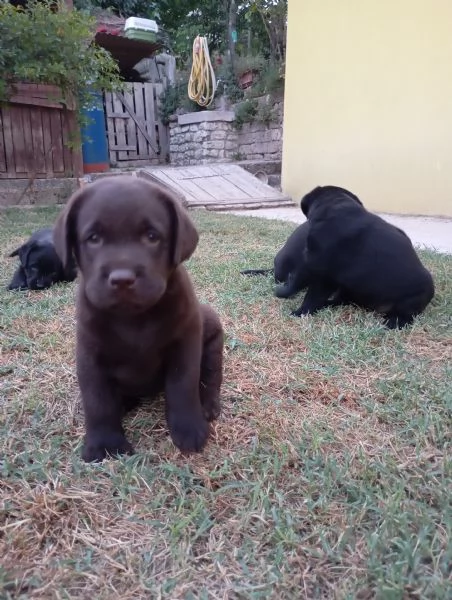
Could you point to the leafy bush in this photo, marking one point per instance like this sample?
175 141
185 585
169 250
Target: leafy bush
243 64
126 8
175 97
270 81
245 112
265 112
47 43
227 83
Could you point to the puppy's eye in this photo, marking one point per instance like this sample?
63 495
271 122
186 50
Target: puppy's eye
152 236
94 239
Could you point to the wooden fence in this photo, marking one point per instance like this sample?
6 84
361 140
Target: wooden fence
136 134
35 134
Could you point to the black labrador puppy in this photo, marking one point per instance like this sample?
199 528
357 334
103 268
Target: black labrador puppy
290 269
372 263
40 266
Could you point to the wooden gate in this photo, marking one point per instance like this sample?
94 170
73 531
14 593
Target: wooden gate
136 134
36 131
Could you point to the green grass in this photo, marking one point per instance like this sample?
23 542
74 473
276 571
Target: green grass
328 475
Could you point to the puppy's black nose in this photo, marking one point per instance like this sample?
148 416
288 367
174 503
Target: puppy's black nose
121 278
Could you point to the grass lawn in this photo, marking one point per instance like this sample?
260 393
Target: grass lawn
328 475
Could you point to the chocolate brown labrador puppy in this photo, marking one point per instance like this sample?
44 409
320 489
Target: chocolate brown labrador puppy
140 328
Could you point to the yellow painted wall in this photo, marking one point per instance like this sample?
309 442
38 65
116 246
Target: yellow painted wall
368 102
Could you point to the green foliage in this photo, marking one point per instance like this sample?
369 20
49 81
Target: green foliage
169 103
245 112
49 44
261 24
249 62
255 108
269 81
124 8
204 17
227 83
175 97
180 21
265 112
252 109
267 19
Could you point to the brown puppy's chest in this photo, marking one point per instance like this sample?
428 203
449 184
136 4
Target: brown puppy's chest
133 354
138 358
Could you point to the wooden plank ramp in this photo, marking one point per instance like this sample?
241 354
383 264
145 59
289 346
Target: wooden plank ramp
216 187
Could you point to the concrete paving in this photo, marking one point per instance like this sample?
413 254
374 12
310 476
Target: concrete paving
425 232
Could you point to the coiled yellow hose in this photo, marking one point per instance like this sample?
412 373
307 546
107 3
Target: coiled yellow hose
202 84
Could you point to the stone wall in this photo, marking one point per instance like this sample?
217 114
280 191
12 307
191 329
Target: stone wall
204 137
211 136
40 192
260 140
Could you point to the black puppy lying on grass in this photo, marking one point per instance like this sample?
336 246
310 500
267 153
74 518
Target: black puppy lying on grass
372 263
39 266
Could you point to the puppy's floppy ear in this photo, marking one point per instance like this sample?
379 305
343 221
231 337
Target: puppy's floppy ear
308 199
185 236
15 252
64 234
22 252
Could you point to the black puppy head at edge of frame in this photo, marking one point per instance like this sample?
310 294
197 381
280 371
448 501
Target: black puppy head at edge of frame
321 192
184 234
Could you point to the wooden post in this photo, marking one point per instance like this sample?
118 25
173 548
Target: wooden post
232 23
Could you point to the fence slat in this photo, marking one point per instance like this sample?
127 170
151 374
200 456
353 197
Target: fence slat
131 129
19 149
2 146
38 161
111 131
57 142
138 92
150 116
8 139
161 128
120 128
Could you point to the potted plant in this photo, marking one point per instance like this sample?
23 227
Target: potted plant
247 68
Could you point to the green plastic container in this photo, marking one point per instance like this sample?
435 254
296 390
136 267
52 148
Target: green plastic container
136 28
140 34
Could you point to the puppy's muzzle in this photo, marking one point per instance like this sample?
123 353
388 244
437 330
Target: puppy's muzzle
122 279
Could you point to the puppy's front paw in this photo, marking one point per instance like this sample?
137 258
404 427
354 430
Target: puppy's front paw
212 410
298 313
100 445
281 291
397 322
188 432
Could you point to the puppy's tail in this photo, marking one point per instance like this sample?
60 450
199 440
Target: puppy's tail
254 272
